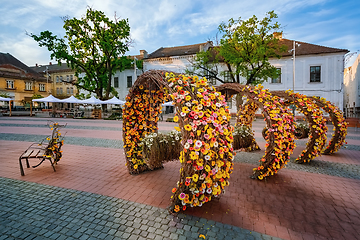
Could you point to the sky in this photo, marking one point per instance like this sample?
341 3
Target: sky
169 23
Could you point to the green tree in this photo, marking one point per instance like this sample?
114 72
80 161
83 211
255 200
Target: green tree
247 46
94 46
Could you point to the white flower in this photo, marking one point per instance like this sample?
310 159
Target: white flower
216 144
188 104
207 157
183 114
198 143
187 146
180 82
218 104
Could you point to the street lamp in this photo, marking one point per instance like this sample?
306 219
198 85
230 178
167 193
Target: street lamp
135 69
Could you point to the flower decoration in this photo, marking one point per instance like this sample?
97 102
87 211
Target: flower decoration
244 120
207 155
340 125
279 121
317 124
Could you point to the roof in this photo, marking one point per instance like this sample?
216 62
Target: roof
52 68
178 51
14 68
303 48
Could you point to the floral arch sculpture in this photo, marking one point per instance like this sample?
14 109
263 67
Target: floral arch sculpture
317 123
207 155
279 122
245 117
338 120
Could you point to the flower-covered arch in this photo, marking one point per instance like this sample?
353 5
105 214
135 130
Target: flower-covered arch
340 125
278 120
317 123
207 155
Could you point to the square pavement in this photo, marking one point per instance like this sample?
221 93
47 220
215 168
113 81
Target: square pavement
92 196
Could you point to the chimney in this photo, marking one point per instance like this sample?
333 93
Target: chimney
143 53
278 35
36 65
50 63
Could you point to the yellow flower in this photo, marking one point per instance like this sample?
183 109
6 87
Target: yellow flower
176 119
195 177
187 127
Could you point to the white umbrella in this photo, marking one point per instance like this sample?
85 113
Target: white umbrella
114 100
5 99
49 98
167 104
93 100
71 99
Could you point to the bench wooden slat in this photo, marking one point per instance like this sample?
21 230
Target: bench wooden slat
27 153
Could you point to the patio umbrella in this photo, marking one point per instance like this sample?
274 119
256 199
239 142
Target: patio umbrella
167 104
93 100
49 98
71 99
114 100
5 99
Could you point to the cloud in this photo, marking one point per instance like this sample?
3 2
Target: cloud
165 23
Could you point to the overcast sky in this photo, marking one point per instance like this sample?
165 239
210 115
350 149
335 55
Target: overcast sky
168 23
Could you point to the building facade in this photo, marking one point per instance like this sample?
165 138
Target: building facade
19 81
60 77
318 70
352 89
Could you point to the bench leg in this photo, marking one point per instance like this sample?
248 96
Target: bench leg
21 168
52 164
27 163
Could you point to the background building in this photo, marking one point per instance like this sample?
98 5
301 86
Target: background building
19 81
352 89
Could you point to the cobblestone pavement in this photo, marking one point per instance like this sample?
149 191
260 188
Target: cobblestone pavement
300 205
37 211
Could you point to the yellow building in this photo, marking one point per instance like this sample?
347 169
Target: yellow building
61 77
19 81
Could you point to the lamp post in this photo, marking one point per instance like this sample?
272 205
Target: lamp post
135 69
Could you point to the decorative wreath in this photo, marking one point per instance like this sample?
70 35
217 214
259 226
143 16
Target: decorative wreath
207 154
317 123
278 120
338 120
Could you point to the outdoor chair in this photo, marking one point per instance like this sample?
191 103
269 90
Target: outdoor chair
48 149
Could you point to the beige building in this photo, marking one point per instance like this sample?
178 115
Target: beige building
61 77
20 82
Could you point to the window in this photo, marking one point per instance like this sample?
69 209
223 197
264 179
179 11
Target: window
42 87
129 81
71 90
315 75
61 78
116 82
57 91
28 86
67 91
277 80
10 84
71 78
67 78
227 77
211 81
61 91
57 79
229 103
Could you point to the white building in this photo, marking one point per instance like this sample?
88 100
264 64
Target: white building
352 89
318 69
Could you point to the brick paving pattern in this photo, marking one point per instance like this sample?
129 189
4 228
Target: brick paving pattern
92 195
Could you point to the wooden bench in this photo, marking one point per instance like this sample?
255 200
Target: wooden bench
44 150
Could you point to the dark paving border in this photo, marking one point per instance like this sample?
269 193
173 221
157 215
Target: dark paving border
36 211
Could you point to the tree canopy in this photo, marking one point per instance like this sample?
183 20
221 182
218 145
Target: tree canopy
94 46
245 48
